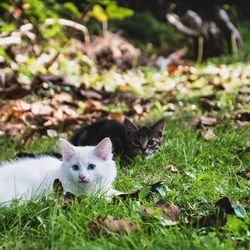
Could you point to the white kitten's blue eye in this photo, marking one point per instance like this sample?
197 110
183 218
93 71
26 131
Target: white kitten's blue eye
75 167
91 166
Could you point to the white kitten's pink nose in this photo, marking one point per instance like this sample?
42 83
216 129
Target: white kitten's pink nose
82 177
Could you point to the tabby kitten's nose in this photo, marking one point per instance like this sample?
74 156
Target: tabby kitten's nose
144 147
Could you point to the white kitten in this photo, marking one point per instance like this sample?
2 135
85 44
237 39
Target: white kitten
83 170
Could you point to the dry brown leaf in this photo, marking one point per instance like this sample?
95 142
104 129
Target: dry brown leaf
118 116
11 109
138 108
171 68
90 94
68 110
15 91
57 187
245 173
51 132
169 212
208 134
135 194
243 116
66 198
208 105
109 224
23 106
58 114
244 94
63 98
208 121
16 129
172 168
193 122
92 106
125 88
218 218
29 140
41 108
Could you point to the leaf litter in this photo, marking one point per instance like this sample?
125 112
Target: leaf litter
166 213
61 103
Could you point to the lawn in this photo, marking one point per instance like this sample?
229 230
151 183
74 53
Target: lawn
205 171
67 64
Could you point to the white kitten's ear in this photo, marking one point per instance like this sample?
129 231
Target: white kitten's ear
103 149
68 150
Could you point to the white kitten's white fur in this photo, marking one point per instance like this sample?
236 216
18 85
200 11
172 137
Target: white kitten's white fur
83 170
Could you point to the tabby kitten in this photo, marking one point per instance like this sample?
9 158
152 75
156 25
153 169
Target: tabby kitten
128 139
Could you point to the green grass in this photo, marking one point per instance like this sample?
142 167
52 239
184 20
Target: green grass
207 172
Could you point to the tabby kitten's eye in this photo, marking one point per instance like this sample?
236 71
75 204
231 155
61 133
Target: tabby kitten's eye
75 167
136 143
151 142
91 166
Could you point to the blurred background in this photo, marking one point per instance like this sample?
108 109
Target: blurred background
68 63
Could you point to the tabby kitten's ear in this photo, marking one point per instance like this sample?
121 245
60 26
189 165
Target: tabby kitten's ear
129 125
158 127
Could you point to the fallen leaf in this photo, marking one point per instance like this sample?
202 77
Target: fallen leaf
208 105
171 68
218 218
104 224
225 204
245 173
57 187
244 94
63 98
118 116
28 138
172 168
67 198
51 133
23 106
163 210
135 194
243 116
138 108
15 91
125 88
90 94
92 106
168 210
7 79
208 121
40 108
208 134
193 122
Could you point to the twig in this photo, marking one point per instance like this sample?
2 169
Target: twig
71 24
175 21
15 39
230 27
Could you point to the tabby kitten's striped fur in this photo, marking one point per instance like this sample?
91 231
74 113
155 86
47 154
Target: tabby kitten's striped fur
128 139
